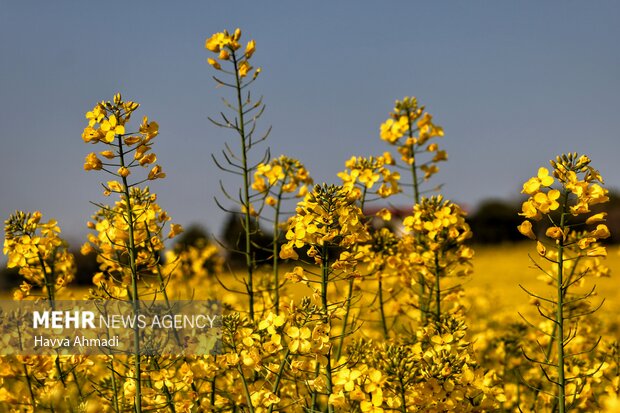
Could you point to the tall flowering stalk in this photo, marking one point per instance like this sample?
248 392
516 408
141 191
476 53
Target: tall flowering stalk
563 199
410 128
40 254
280 179
123 235
246 113
330 225
367 179
43 259
437 249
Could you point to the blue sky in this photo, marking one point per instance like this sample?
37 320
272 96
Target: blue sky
512 83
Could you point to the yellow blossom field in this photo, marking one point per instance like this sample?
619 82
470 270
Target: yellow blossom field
325 309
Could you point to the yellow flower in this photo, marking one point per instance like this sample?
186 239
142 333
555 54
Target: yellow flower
554 233
299 339
175 229
123 171
110 127
156 173
214 63
91 135
526 229
107 154
150 129
221 40
600 217
296 275
224 55
597 252
115 186
272 322
244 68
250 49
92 162
384 214
546 202
391 130
601 232
534 184
148 159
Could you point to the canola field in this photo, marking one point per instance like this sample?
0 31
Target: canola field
338 312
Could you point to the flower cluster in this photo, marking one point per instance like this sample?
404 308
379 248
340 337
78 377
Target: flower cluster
326 218
436 248
283 175
362 174
570 246
572 190
107 124
225 45
434 370
40 254
410 128
112 238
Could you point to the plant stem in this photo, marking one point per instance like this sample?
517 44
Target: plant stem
437 294
381 302
403 400
276 385
131 246
276 258
246 390
416 198
560 314
324 285
246 189
345 322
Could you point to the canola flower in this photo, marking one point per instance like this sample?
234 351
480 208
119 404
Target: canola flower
128 237
40 254
410 129
329 223
232 61
290 356
562 197
436 247
362 174
326 218
278 180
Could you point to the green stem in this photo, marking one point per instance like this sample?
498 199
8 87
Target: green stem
345 321
416 198
246 189
553 334
134 280
437 294
381 303
324 285
49 286
403 400
317 372
29 381
276 258
560 314
162 288
51 296
114 388
246 390
276 385
169 401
